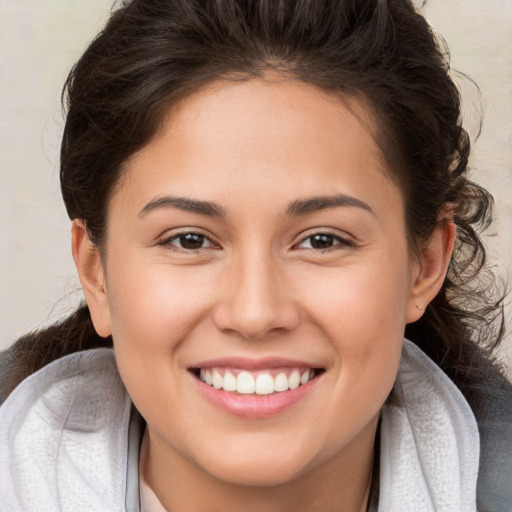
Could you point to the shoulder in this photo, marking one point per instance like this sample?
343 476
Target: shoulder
72 418
485 399
492 406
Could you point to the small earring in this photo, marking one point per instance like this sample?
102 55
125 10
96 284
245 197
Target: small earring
418 307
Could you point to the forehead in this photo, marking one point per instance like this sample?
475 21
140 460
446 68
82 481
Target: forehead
271 138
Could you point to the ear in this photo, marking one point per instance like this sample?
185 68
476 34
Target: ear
92 277
429 271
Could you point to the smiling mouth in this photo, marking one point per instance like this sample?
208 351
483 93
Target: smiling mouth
265 382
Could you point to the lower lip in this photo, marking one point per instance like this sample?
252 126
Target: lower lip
255 406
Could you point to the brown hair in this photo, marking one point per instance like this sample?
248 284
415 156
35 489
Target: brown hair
153 52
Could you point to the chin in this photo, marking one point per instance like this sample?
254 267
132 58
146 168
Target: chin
258 469
256 475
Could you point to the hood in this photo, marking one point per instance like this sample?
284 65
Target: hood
430 444
64 437
68 438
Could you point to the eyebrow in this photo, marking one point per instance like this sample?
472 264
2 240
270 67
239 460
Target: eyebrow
313 204
298 207
183 203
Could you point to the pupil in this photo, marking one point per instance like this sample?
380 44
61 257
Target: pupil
191 241
322 241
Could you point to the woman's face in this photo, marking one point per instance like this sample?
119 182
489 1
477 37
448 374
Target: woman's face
257 238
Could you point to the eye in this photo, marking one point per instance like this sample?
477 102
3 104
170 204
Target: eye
189 241
322 241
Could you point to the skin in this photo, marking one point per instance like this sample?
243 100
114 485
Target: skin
258 288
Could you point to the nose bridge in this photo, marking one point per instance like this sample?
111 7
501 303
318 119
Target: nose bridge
257 301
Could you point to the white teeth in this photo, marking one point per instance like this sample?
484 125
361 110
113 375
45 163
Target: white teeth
264 384
217 379
261 383
294 380
245 383
229 382
281 382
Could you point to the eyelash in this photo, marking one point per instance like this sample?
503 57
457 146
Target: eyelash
337 242
168 242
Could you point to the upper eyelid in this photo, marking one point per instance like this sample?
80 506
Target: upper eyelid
167 237
185 230
330 232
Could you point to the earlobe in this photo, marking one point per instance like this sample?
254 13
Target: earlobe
431 269
92 277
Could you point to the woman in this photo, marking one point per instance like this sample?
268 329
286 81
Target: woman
265 196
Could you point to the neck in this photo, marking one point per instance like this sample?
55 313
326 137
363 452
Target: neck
341 483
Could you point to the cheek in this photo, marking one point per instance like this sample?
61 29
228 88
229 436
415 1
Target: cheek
153 310
362 310
364 303
155 305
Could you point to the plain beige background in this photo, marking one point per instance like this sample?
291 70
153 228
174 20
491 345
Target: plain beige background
40 41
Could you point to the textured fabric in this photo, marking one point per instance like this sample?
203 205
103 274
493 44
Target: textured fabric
492 407
69 441
64 438
430 445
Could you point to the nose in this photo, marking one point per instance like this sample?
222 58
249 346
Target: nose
256 301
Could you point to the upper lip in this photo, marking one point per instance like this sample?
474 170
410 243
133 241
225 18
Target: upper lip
244 363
